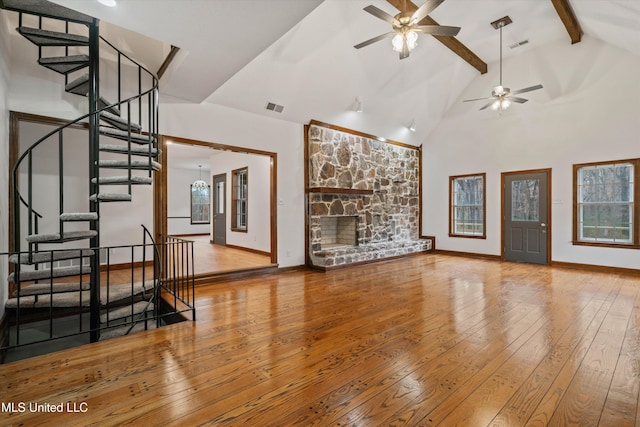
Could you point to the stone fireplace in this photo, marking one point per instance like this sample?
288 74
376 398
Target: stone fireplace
358 183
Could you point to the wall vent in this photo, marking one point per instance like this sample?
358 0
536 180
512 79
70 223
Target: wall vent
518 44
274 107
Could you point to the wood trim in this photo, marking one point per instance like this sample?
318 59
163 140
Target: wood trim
569 19
451 42
433 242
160 203
255 251
283 270
125 266
484 206
469 255
273 205
190 235
549 203
361 263
167 61
223 276
358 133
597 268
307 256
335 190
160 185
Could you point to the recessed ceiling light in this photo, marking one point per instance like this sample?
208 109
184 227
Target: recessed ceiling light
110 3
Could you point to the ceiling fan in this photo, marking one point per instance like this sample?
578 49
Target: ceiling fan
406 28
502 97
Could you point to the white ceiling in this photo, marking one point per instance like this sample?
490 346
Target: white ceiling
299 53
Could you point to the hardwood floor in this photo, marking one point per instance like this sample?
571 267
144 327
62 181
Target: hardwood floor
428 340
215 258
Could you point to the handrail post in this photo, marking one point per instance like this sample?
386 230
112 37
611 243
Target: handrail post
94 205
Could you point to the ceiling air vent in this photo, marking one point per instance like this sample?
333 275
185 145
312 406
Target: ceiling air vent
274 107
518 44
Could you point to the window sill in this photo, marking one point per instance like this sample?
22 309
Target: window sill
606 245
239 230
468 236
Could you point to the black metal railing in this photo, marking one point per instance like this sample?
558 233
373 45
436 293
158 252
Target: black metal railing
53 308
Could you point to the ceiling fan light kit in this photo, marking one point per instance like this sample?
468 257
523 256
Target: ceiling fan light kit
406 28
501 97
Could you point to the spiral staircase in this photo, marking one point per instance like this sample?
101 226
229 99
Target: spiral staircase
60 269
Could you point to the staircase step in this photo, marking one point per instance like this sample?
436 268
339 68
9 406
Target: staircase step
111 197
124 164
55 288
126 311
124 180
123 149
80 216
119 122
48 256
46 9
103 103
124 135
67 236
72 299
124 330
52 38
29 275
79 86
65 64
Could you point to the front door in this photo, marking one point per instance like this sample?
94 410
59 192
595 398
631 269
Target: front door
219 204
526 216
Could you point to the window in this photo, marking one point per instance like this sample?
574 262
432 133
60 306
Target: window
606 203
200 203
467 208
239 200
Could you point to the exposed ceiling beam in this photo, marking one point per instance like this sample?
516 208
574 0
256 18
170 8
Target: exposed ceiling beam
451 42
165 64
568 18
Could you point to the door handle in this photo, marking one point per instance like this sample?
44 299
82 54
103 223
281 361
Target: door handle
543 225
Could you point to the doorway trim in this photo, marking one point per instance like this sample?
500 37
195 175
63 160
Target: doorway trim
160 183
502 209
216 199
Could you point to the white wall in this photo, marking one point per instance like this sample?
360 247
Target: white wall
4 153
258 234
213 123
588 111
179 182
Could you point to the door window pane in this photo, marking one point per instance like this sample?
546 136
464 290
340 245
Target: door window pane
525 200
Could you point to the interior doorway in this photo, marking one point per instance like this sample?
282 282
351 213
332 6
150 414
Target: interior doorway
266 201
526 211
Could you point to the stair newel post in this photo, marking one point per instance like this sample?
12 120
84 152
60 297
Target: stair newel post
94 205
30 201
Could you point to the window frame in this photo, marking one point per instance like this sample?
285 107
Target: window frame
234 200
635 216
191 205
452 232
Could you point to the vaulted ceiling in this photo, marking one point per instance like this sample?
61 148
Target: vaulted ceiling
299 53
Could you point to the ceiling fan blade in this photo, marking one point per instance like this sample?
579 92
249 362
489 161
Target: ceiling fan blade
487 104
425 9
437 30
405 50
477 99
527 89
518 100
375 39
379 13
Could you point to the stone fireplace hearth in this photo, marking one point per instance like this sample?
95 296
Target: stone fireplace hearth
372 186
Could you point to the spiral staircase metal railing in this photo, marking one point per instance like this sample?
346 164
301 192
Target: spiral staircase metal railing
52 264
